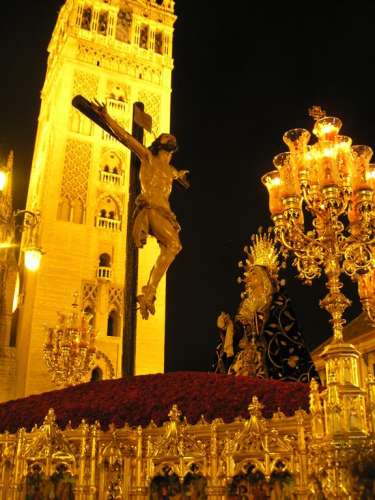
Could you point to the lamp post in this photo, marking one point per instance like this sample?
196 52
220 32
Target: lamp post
9 225
32 251
12 224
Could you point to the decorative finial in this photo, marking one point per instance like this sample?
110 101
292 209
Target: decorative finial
316 112
264 252
174 414
255 407
50 418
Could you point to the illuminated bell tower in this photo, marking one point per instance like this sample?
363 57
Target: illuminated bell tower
82 182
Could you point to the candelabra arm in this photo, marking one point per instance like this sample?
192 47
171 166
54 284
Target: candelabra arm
313 208
299 236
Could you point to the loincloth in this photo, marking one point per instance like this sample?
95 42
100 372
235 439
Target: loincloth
141 225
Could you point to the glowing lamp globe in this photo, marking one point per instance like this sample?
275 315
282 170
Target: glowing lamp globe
3 180
33 257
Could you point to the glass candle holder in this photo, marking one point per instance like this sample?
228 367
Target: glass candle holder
362 155
327 128
297 140
272 182
288 176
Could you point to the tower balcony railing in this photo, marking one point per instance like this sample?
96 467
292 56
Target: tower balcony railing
106 223
104 273
110 178
107 137
116 106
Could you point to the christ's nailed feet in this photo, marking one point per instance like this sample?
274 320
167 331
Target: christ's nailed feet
146 303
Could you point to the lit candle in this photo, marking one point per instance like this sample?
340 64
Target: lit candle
272 182
311 166
297 140
344 157
327 128
288 176
370 175
327 165
362 156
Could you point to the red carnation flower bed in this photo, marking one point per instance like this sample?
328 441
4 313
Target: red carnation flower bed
138 400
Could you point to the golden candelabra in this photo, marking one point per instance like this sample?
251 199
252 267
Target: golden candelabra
332 183
70 347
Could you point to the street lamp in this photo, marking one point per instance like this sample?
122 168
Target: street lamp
30 222
32 252
32 258
12 224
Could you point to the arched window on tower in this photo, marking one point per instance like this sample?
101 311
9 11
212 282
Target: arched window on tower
143 36
96 374
104 270
123 25
77 211
86 18
108 215
64 209
111 168
113 324
103 22
79 123
159 42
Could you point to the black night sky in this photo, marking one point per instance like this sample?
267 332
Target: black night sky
244 73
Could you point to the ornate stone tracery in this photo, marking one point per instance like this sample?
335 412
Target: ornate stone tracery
74 182
124 63
152 103
116 298
89 293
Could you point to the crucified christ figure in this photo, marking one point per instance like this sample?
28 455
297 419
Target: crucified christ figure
153 215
